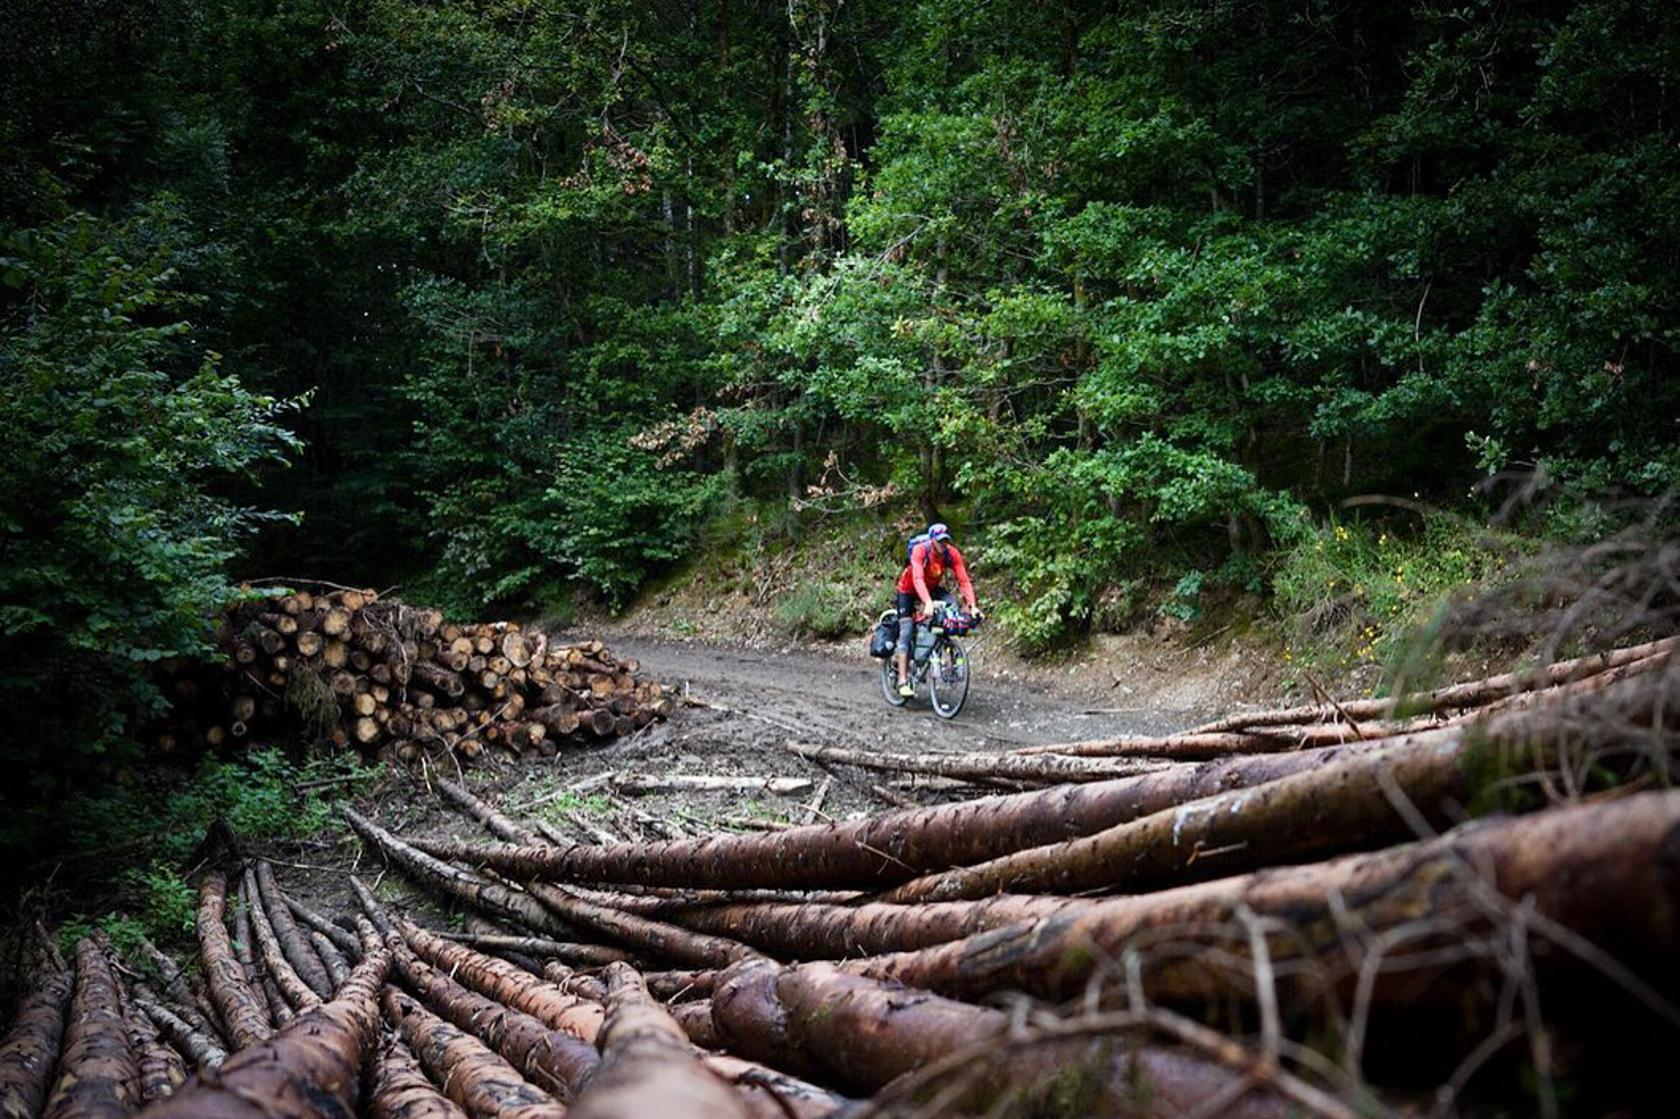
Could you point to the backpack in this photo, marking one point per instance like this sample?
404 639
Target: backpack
910 547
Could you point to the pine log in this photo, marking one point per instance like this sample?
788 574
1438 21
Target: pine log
299 952
791 1017
540 948
244 1017
1472 694
99 1073
202 1049
488 897
161 1068
401 1089
299 995
470 1073
506 984
1351 803
553 1060
176 987
29 1051
647 1065
1599 870
309 1070
894 846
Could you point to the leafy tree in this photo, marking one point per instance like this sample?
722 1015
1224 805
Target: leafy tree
123 433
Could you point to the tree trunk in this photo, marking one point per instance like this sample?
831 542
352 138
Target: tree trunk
309 1070
99 1074
647 1065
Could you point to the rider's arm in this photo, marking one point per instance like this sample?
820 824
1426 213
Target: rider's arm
960 570
918 575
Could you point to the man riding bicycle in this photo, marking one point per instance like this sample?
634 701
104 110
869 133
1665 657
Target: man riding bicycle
920 584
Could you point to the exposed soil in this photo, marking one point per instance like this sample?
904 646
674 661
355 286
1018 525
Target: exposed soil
743 704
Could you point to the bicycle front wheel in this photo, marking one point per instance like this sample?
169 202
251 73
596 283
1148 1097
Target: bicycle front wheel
889 683
948 678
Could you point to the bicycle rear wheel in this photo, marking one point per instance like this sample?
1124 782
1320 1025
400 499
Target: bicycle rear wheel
948 678
889 683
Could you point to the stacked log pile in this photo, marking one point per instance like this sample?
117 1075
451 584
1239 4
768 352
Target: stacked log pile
1316 929
392 678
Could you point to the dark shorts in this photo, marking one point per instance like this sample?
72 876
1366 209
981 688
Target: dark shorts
906 604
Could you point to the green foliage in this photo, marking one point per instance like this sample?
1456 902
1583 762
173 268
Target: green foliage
126 933
167 904
1354 591
1133 286
555 810
123 434
819 609
160 822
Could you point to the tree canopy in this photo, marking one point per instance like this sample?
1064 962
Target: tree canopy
1098 280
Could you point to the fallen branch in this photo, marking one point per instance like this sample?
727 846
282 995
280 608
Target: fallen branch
1046 768
643 784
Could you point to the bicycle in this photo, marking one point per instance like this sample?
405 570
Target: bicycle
936 658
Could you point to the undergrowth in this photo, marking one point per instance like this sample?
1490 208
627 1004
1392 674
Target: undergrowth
1353 592
159 828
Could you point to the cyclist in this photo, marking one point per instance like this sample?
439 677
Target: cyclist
920 584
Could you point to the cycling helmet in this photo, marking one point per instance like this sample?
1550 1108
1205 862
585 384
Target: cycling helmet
939 531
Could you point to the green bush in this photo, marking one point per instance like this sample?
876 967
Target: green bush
122 438
255 796
821 610
1353 591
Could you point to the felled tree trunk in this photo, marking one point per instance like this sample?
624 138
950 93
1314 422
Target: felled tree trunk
469 1072
1599 870
892 847
29 1052
647 1066
311 1069
244 1018
99 1075
789 1017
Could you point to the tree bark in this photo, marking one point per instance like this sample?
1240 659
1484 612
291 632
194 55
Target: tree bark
894 846
1605 871
29 1052
552 1060
506 984
309 1070
790 1017
470 1073
401 1089
99 1073
244 1017
647 1065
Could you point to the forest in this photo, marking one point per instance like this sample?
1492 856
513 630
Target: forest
508 302
365 363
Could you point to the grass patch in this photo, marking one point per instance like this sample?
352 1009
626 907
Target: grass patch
821 610
1354 592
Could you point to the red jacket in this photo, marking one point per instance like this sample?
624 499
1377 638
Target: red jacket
926 571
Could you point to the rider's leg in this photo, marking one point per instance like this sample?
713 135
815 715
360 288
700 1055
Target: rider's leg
906 624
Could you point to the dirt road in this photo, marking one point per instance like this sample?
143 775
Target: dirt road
745 705
832 698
